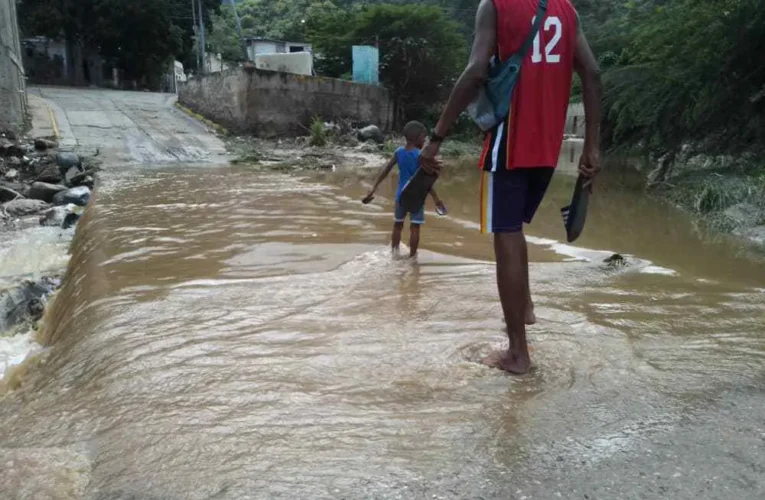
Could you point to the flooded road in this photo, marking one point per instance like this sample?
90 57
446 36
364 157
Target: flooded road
225 333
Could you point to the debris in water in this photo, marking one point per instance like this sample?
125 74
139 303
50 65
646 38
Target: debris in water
616 260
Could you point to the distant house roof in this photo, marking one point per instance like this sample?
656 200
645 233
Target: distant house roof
249 39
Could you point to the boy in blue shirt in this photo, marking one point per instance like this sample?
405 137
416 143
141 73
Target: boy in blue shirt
408 160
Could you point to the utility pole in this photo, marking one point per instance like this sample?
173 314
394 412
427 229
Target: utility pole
196 36
239 30
202 37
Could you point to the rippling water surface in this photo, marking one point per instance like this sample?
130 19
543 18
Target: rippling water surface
226 333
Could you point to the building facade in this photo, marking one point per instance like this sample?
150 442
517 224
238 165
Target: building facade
257 46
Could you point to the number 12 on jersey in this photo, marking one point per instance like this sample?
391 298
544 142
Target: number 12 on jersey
551 23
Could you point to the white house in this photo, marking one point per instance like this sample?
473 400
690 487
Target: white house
278 55
257 46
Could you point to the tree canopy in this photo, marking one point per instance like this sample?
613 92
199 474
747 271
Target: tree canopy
681 75
278 19
421 49
139 36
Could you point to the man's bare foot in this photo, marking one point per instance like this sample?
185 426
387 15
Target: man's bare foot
509 362
531 318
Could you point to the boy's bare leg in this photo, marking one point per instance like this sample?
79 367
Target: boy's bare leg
398 228
512 272
414 239
530 317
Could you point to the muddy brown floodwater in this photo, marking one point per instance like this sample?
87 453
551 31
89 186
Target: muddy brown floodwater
225 333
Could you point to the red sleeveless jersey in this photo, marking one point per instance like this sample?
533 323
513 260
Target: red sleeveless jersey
534 129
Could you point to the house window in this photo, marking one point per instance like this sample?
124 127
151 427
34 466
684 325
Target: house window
296 48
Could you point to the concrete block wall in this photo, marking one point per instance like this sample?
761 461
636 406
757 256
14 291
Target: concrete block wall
221 97
13 101
269 104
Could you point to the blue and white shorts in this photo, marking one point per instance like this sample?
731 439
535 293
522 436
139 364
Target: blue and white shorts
417 217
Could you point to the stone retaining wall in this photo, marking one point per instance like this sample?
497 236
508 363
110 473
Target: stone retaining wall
268 104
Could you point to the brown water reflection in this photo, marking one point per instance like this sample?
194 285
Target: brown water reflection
227 333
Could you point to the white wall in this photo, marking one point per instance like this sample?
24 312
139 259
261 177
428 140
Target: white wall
299 63
256 48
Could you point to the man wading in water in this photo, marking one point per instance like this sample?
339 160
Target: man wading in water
520 153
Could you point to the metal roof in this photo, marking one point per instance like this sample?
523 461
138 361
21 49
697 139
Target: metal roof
272 40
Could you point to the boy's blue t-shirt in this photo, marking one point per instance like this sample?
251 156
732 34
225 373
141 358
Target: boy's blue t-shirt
408 161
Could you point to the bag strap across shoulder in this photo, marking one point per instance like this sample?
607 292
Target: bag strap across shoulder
521 54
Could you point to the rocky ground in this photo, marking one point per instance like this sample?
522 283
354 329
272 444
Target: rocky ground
331 146
39 186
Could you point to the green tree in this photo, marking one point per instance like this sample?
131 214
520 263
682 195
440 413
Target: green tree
690 79
143 46
141 36
224 38
462 11
61 19
421 49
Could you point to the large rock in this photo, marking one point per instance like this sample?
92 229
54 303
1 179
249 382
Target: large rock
43 144
83 179
67 160
51 174
12 149
22 189
44 191
8 194
371 133
16 151
11 175
71 174
20 208
63 217
77 196
26 302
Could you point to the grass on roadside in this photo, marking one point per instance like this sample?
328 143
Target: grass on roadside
318 133
709 193
220 129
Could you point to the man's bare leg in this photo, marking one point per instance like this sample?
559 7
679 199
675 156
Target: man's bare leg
530 317
398 227
414 239
512 273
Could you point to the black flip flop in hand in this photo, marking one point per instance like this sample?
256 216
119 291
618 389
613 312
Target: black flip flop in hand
441 208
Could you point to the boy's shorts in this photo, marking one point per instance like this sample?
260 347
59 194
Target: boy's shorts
511 197
417 217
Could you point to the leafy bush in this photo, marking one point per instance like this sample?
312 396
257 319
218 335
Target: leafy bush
681 75
318 132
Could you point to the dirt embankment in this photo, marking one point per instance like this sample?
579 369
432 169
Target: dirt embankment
726 193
